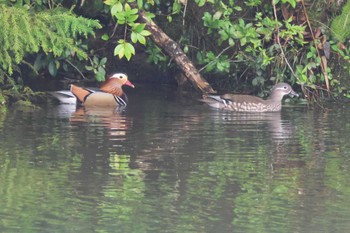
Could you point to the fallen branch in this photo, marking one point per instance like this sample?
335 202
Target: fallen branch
177 54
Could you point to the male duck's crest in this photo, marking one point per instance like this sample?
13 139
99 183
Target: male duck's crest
247 103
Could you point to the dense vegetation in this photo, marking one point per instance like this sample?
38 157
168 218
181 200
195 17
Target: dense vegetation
251 43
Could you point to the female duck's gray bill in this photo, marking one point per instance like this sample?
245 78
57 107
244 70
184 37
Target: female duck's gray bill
293 93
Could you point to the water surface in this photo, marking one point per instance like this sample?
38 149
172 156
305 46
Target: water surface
169 165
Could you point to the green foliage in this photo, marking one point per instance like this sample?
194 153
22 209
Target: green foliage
340 26
213 62
2 99
52 31
138 34
124 49
293 3
258 44
155 56
250 42
127 16
98 67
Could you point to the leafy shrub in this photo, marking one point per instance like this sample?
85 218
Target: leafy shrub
52 31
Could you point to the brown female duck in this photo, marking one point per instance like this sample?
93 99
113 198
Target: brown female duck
248 103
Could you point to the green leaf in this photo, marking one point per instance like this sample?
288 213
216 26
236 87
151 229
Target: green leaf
186 49
89 68
100 76
124 49
101 70
65 67
103 61
141 39
110 2
116 8
139 3
127 7
133 11
145 33
105 37
223 35
217 15
132 18
200 3
120 17
95 60
52 68
243 41
150 16
138 27
231 42
38 64
176 7
309 55
293 3
133 37
119 50
147 6
129 50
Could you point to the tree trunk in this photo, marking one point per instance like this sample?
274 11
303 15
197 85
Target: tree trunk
176 53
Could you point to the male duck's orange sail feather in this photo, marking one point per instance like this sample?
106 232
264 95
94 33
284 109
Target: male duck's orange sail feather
80 93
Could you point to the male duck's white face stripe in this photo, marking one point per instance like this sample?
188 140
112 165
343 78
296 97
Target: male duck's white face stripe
119 75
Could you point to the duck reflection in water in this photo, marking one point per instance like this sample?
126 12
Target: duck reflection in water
278 132
113 119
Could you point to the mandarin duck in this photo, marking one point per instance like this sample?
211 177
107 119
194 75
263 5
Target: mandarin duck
110 93
248 103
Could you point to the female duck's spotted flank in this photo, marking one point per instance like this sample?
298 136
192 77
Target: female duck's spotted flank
247 103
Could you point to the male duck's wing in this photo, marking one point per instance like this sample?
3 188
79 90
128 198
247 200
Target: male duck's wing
64 96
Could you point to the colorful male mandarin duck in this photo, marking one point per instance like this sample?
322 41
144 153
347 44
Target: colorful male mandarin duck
248 103
109 94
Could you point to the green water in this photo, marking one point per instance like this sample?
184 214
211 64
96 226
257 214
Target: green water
166 165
